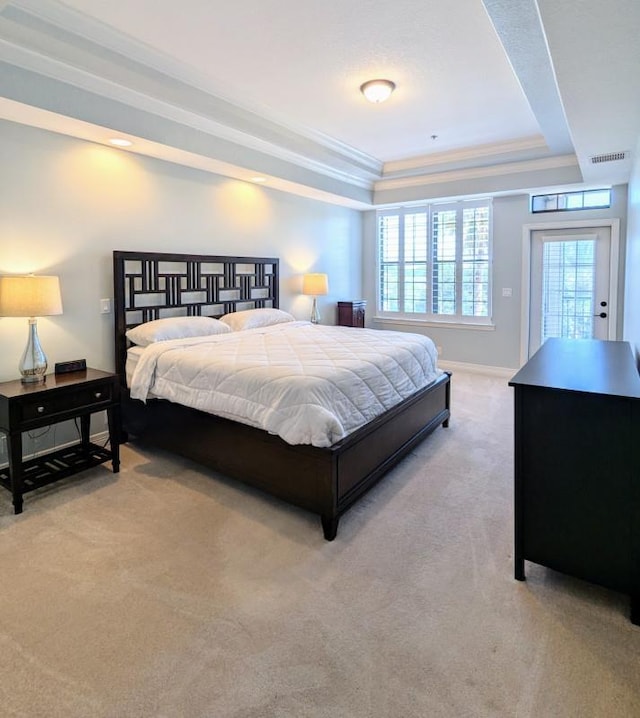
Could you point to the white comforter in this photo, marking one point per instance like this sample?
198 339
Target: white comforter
309 384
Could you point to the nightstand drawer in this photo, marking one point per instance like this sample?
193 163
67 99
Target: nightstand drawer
44 406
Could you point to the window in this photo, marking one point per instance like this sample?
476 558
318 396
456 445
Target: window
434 262
568 285
567 201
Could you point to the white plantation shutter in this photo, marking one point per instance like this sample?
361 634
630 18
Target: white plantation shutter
415 263
444 233
389 262
434 262
475 262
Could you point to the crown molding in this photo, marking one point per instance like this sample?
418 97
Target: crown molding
516 149
58 42
103 36
27 60
509 168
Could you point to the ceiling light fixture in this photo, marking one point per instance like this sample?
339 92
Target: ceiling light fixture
119 142
377 90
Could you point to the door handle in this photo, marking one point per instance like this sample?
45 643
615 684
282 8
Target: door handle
602 315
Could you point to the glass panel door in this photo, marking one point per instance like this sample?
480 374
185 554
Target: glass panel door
569 285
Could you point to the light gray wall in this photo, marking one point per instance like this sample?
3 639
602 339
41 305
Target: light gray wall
500 347
66 204
632 269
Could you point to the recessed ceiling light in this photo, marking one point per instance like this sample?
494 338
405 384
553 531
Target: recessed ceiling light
119 142
259 180
377 90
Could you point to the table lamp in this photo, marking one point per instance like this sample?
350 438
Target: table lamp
32 296
315 285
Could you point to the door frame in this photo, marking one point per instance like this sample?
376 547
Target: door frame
614 269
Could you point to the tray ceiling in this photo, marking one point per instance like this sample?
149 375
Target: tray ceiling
272 88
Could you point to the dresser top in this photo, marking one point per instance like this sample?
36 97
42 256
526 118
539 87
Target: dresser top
591 366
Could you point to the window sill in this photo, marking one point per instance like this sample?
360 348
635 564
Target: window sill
440 324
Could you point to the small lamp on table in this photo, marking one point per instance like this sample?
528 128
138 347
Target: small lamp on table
31 296
315 284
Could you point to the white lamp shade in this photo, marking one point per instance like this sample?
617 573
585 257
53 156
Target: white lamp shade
32 296
315 284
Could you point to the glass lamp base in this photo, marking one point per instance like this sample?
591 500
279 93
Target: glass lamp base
33 365
315 312
33 378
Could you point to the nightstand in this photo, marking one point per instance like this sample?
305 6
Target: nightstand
351 314
61 397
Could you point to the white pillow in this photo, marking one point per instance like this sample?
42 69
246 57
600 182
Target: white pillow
253 318
160 330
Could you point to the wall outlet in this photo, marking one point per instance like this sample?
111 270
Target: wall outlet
507 291
105 306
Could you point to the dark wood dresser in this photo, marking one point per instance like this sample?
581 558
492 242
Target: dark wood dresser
351 314
577 463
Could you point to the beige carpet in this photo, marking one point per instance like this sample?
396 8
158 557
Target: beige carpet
167 592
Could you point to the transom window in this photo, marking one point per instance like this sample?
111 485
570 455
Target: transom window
568 201
434 262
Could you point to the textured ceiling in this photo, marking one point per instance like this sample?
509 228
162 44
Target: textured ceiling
302 63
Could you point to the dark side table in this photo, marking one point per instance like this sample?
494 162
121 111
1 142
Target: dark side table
351 313
61 397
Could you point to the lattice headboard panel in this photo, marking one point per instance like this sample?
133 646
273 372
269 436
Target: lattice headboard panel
152 285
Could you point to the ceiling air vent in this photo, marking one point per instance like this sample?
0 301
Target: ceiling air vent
609 157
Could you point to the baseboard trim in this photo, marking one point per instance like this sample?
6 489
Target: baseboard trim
501 371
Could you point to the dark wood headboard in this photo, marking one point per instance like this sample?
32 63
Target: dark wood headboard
152 285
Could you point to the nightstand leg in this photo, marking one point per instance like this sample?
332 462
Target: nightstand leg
113 417
15 469
85 425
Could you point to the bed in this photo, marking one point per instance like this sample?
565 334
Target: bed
324 479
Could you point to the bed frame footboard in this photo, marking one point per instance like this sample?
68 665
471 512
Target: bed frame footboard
324 481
